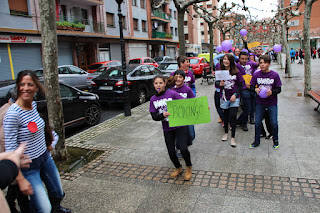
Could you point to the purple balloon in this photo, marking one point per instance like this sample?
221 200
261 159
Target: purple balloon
219 48
245 50
243 32
277 48
226 45
263 92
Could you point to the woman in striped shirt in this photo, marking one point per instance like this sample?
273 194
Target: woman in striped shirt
22 123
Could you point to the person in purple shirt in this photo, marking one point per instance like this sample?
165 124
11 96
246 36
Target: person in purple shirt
270 80
158 110
184 64
248 98
230 96
185 92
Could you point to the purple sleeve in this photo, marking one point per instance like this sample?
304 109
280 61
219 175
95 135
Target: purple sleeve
239 76
151 108
254 64
177 95
190 93
253 81
277 81
218 66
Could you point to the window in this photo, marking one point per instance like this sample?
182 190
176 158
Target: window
63 70
294 23
185 23
66 91
186 37
18 7
176 31
84 16
145 71
209 6
154 71
175 14
144 26
134 2
142 4
171 30
170 12
135 24
110 20
75 70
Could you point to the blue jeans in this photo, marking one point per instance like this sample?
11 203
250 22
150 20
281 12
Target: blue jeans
43 169
273 114
248 100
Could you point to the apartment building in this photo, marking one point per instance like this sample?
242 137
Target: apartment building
296 26
192 33
87 32
205 36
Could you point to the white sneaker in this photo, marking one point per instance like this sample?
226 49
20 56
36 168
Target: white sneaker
233 142
225 137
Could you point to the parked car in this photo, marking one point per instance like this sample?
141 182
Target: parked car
109 85
5 87
162 59
168 67
145 61
93 67
71 75
191 54
79 107
198 64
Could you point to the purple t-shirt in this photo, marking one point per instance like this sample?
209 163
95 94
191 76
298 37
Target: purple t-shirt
270 80
184 91
158 104
247 69
231 86
189 79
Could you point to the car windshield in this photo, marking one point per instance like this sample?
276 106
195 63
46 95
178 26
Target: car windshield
172 67
112 73
134 61
157 59
39 73
194 61
95 66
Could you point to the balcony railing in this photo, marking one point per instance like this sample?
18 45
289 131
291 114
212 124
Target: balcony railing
164 35
161 14
89 25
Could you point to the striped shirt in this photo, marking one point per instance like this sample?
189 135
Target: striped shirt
16 130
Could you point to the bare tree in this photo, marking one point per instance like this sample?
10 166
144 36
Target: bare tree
306 43
50 71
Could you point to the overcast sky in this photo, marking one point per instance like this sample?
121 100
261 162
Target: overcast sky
262 8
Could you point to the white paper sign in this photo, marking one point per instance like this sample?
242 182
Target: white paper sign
222 75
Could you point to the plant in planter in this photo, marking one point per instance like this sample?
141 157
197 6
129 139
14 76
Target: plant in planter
78 26
168 36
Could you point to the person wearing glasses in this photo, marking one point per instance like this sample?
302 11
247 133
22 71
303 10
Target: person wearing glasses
258 51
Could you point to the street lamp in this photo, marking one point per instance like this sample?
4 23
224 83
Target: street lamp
126 107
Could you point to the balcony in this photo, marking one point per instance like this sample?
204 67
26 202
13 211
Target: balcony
75 24
160 35
87 2
160 16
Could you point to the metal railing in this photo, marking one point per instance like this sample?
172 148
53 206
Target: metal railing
90 25
156 34
161 14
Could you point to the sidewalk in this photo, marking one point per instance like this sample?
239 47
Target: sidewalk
133 173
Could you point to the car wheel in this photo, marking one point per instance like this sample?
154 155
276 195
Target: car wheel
92 115
142 97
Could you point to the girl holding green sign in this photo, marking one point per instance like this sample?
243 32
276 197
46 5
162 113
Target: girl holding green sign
159 112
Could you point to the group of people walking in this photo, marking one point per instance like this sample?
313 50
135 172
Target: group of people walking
250 77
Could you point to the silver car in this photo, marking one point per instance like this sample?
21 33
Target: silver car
71 75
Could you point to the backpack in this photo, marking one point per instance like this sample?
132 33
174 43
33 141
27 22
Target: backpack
3 111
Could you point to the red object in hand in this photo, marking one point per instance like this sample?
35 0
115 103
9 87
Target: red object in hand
32 126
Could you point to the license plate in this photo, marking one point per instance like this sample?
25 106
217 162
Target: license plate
105 88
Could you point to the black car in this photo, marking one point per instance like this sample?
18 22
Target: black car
109 85
78 106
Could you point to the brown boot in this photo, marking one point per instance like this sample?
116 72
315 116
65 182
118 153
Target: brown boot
188 173
176 172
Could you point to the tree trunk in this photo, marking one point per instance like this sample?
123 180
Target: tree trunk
50 73
182 46
306 44
211 45
287 51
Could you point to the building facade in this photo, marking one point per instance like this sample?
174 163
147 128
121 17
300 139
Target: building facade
296 26
87 32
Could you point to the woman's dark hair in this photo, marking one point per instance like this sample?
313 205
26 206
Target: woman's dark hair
180 72
233 69
35 79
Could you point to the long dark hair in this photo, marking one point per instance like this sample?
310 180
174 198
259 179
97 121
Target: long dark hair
35 79
233 69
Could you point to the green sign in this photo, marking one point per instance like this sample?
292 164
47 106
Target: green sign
188 111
